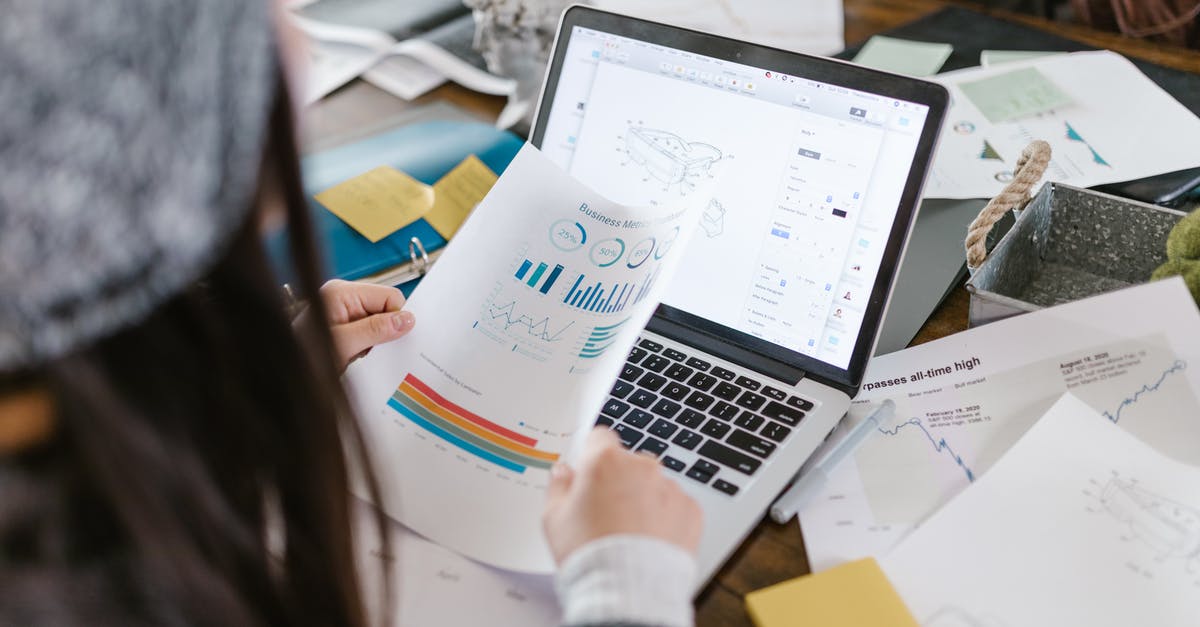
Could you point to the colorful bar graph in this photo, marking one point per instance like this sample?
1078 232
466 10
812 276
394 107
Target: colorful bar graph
600 339
537 274
466 430
601 298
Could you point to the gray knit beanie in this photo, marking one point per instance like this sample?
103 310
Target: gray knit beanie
131 133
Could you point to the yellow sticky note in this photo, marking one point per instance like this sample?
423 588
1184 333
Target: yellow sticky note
851 595
457 193
379 202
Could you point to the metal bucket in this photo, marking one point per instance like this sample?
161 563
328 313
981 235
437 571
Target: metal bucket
1068 244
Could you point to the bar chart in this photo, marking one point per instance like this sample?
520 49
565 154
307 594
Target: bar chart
532 276
613 297
600 339
418 402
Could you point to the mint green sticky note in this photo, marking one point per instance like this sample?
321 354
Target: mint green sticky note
1017 94
914 58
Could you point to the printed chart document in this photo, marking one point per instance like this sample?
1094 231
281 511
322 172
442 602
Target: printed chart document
962 401
1105 121
522 326
1080 524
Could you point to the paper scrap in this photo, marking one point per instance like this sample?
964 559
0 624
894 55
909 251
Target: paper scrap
988 58
379 202
457 193
914 58
1014 95
853 594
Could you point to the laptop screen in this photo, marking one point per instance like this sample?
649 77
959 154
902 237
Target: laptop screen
802 179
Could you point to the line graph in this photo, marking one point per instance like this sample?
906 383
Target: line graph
506 317
1115 416
939 444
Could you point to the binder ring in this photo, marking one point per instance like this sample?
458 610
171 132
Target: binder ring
414 247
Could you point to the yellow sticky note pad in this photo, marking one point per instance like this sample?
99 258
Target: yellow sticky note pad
379 202
457 193
851 595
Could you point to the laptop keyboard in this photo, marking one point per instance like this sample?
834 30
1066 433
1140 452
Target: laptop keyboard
674 406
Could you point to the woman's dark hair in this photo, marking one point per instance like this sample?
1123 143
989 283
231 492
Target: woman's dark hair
199 469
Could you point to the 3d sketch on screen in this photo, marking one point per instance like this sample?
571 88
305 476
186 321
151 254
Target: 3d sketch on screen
1171 528
713 218
668 157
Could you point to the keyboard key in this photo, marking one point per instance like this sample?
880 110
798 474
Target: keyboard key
629 436
656 363
748 383
615 408
687 439
722 373
729 457
799 403
604 421
727 391
715 428
698 364
652 381
776 394
679 372
631 373
666 408
725 486
653 347
699 400
750 421
642 398
775 431
621 389
656 447
702 471
671 353
782 413
699 476
672 463
675 391
639 418
691 418
750 443
724 411
664 429
750 400
702 381
635 355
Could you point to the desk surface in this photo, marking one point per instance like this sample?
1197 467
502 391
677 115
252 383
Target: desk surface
772 553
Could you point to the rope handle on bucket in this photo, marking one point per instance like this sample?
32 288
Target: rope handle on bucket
1030 168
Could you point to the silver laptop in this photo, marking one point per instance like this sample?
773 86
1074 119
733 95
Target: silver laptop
811 170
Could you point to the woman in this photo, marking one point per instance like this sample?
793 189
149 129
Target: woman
173 450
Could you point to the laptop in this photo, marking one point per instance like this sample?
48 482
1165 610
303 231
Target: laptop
811 170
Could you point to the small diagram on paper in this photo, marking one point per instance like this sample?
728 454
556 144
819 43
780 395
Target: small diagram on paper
1170 528
713 219
953 616
669 158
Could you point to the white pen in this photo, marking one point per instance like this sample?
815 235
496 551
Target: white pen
806 486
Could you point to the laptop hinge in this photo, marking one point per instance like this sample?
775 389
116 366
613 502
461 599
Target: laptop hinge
726 350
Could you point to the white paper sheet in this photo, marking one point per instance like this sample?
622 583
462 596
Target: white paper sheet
522 326
429 583
963 400
812 26
1079 524
1122 126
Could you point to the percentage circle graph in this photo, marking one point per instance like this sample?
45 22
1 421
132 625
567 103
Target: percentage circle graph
607 252
640 253
567 235
665 246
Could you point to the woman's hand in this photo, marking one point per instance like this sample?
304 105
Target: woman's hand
362 315
614 492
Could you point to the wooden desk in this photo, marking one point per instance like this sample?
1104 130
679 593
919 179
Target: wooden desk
772 553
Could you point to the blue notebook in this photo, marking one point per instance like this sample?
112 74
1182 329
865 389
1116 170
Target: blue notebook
426 152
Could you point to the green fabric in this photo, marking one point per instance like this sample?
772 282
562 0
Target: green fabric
1183 254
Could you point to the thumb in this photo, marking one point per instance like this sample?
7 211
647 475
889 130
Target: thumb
355 337
561 479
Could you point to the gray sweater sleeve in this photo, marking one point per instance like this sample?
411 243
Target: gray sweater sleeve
627 581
